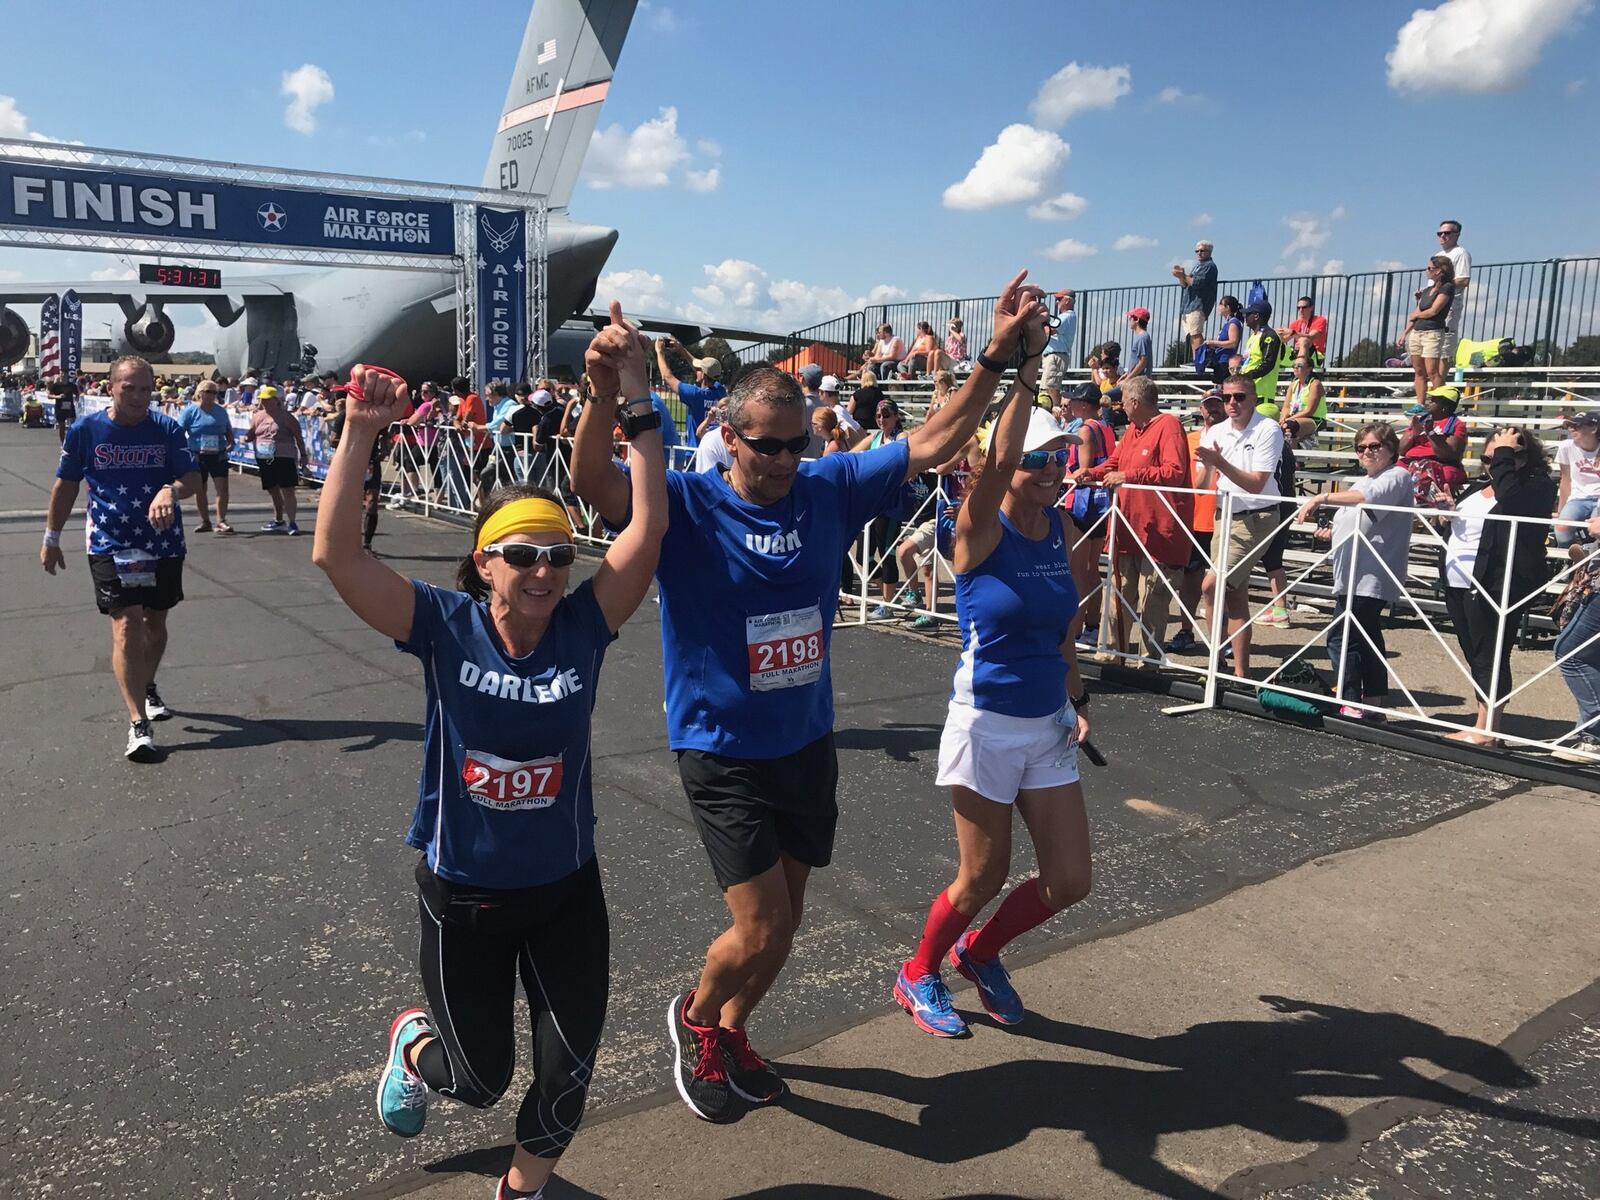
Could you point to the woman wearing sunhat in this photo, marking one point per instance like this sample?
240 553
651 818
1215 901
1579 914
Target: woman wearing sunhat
508 881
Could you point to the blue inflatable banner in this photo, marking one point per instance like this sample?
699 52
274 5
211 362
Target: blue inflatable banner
71 334
65 199
502 297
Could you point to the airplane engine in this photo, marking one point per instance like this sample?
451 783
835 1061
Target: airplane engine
13 337
150 332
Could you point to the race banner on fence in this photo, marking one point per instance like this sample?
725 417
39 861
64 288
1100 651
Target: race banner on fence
71 334
50 338
502 297
63 199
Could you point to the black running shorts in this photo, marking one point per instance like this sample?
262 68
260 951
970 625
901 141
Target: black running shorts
752 810
279 473
212 466
111 597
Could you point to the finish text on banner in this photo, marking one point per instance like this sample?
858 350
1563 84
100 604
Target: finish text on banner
502 296
42 195
71 334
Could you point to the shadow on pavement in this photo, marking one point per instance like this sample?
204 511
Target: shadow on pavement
492 1162
241 731
1257 1075
899 742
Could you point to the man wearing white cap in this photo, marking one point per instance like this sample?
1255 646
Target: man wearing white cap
829 391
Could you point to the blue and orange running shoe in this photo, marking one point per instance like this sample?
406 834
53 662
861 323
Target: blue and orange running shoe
1000 999
928 1001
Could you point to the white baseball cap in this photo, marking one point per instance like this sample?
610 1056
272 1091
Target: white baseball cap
830 383
1044 429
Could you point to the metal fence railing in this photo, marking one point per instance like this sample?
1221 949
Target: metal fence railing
1551 305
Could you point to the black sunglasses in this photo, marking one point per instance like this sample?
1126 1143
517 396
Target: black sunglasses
523 555
1443 232
771 447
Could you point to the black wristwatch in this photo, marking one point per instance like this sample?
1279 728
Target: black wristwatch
989 364
633 424
1080 703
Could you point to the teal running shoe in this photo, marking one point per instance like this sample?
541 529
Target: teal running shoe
402 1096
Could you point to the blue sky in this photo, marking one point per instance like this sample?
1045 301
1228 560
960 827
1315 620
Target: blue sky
812 154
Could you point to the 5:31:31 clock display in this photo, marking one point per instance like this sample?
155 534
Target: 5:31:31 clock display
177 275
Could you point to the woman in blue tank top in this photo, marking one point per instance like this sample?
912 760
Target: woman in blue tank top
1014 723
508 881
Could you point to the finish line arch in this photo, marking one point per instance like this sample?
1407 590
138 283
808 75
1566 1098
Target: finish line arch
492 243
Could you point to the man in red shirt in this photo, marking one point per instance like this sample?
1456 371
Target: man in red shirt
1308 331
1150 534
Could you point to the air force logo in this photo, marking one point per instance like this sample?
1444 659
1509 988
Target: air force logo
272 218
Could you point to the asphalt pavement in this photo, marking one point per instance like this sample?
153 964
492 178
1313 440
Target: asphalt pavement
203 955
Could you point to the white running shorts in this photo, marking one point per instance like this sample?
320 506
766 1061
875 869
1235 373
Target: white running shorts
997 755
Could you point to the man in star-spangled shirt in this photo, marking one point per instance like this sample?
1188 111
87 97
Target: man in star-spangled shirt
137 464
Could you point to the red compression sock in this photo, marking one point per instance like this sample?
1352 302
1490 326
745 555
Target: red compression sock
944 925
1019 912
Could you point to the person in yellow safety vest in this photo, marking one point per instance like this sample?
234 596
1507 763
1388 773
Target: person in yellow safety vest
1263 357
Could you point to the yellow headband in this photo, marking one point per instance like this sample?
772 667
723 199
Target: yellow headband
530 515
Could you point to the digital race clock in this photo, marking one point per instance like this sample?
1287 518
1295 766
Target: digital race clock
180 276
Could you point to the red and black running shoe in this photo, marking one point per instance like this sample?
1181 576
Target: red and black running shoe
752 1076
700 1069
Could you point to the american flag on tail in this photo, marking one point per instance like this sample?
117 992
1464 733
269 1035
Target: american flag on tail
547 51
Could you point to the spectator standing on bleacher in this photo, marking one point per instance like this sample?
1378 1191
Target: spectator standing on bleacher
1577 619
1058 350
955 343
1578 457
1151 541
1476 562
707 387
1425 335
886 354
1263 357
1369 570
1308 332
1240 457
1141 358
1199 294
1228 343
1449 235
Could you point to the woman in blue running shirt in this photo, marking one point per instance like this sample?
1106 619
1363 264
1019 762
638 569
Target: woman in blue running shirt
508 879
1015 720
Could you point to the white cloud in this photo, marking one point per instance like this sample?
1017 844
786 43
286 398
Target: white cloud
1075 89
1069 248
1311 234
14 124
739 292
654 155
1334 266
659 17
640 291
1176 95
709 148
1015 168
1066 207
1134 241
1201 220
703 181
308 88
1388 264
931 294
1476 45
113 273
1574 88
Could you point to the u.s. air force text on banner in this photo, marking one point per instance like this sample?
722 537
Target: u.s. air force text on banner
502 295
174 207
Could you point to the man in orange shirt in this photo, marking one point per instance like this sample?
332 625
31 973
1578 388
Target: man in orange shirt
1308 332
1151 530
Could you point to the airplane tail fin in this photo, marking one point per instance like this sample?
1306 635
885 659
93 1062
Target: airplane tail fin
569 53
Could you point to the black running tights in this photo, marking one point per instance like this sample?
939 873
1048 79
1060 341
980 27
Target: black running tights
474 945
